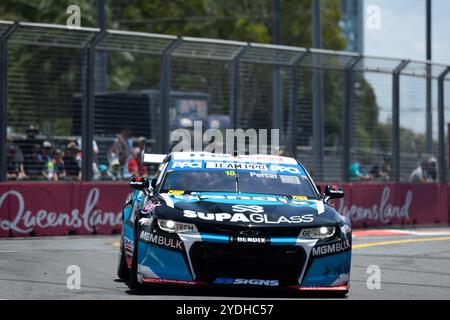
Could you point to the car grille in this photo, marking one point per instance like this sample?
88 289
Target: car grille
211 261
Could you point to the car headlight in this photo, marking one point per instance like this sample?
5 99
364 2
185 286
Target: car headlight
318 233
176 227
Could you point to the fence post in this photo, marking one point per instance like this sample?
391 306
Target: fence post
4 98
348 114
396 118
234 85
165 92
88 108
441 126
293 110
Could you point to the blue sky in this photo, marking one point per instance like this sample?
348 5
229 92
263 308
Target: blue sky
402 35
402 32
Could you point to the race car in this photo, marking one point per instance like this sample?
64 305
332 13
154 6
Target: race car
222 220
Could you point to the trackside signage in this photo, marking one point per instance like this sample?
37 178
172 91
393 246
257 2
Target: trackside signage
53 209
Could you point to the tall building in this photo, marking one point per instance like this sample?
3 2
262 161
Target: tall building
352 24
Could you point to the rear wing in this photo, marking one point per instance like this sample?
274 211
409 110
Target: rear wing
149 158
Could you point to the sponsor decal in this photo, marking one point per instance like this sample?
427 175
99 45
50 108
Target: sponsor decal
285 169
383 212
89 217
176 192
186 164
236 166
272 199
299 198
336 190
250 240
331 248
289 179
252 282
249 233
252 218
243 208
263 175
145 221
162 241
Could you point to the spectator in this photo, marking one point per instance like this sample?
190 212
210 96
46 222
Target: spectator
358 172
71 165
386 169
141 141
95 151
58 165
104 173
115 171
46 157
419 175
121 150
134 165
15 168
34 167
29 146
431 171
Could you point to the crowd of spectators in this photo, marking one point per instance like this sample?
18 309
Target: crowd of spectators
39 160
426 172
36 159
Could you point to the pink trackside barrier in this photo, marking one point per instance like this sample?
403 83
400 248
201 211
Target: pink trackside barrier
379 205
55 209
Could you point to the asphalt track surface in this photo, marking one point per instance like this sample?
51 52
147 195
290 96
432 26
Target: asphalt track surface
414 264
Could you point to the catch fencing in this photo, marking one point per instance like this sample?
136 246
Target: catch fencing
333 109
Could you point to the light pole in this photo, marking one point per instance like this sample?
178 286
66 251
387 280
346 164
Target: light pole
102 57
429 88
277 101
318 120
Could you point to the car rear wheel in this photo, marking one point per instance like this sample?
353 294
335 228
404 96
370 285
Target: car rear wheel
133 282
123 272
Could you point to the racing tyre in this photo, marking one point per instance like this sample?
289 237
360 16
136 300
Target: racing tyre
122 269
133 283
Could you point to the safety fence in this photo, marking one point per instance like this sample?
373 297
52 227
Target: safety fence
56 209
78 103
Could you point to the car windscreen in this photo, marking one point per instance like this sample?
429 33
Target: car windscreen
284 181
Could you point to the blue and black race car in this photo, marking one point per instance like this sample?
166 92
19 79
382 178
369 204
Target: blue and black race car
224 220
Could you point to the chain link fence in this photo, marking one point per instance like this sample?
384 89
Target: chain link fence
347 117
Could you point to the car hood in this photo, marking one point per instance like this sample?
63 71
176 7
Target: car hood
245 210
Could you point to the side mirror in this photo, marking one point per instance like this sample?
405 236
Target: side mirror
319 188
334 192
139 184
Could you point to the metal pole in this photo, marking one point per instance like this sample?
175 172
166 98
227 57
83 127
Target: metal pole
396 119
348 116
293 110
318 120
88 109
429 88
165 92
4 98
234 86
441 126
102 56
277 100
